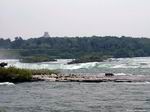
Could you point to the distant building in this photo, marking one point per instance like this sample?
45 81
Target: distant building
46 34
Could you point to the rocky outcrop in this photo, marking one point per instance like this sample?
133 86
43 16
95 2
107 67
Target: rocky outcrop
109 74
92 78
3 64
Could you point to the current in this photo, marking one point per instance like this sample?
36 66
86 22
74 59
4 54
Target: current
76 96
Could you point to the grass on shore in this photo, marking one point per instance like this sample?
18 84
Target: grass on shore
43 72
36 59
12 74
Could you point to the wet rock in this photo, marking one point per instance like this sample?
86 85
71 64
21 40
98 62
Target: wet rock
3 64
53 75
109 74
109 77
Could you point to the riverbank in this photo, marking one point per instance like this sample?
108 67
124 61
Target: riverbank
16 75
92 78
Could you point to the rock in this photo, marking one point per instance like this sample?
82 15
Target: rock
109 77
53 75
3 64
50 79
109 74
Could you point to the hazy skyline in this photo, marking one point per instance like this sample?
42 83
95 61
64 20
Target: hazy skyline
30 18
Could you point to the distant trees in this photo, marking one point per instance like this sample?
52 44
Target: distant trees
70 47
17 43
5 43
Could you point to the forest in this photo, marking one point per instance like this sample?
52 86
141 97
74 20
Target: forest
73 47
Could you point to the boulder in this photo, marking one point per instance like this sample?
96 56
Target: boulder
109 74
3 64
53 75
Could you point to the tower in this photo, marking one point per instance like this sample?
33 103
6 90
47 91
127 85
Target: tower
46 34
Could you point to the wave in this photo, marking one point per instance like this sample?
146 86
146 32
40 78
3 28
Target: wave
137 83
7 83
119 63
80 66
121 74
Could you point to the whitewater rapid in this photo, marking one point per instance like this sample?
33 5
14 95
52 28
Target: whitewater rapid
139 65
141 62
6 83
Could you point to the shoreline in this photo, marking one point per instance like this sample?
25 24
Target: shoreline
91 78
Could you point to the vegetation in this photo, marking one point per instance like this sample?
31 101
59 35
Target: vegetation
10 53
35 59
43 72
89 58
75 47
12 74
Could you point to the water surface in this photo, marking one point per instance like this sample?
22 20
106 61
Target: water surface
75 97
79 97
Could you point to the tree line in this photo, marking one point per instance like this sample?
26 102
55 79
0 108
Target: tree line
72 47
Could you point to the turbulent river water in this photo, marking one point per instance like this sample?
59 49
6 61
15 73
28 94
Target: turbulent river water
77 96
129 66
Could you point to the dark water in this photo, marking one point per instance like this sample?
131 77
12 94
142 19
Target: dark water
75 97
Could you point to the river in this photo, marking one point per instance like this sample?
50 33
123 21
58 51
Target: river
77 96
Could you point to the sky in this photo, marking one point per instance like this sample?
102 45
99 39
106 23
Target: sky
31 18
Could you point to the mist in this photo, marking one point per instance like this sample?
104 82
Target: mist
30 18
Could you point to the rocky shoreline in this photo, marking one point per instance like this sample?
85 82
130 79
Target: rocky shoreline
12 74
91 78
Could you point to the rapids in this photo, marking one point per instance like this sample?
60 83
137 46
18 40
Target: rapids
129 66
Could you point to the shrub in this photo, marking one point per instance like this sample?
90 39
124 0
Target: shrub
13 74
36 59
43 71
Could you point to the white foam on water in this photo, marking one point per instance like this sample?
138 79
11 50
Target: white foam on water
119 66
104 65
7 83
80 66
137 83
126 63
121 74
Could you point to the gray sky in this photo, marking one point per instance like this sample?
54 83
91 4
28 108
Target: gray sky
30 18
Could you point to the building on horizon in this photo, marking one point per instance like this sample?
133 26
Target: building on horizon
46 34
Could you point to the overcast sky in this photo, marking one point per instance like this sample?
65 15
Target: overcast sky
30 18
